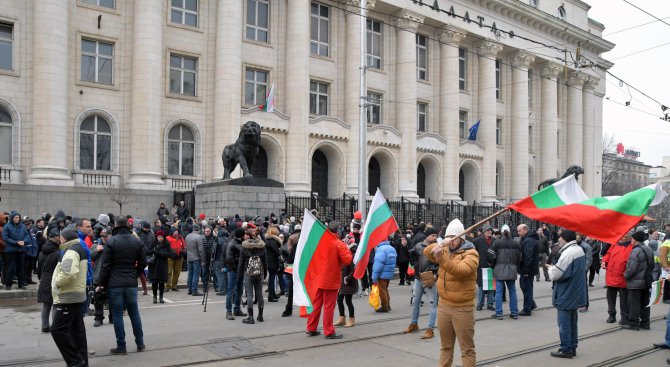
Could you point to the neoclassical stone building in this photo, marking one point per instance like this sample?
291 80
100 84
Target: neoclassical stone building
147 93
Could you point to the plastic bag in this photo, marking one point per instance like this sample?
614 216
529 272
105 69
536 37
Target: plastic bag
374 300
410 271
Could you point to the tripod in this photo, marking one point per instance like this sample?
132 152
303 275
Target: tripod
209 280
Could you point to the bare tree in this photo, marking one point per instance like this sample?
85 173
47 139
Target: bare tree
661 212
120 195
609 143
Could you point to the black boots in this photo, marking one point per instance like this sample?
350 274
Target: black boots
239 313
250 318
612 318
288 311
155 299
260 314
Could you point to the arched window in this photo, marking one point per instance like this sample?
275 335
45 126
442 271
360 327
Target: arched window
181 151
95 144
6 150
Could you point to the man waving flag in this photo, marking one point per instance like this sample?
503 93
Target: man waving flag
378 226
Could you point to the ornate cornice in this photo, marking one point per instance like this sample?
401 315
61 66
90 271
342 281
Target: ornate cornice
316 120
522 59
591 82
271 129
356 4
276 112
471 156
383 144
551 70
408 20
577 79
451 35
328 136
488 48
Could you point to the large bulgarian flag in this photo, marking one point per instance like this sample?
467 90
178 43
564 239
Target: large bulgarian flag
378 226
309 259
604 218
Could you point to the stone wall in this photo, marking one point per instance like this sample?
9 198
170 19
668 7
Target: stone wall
241 196
33 200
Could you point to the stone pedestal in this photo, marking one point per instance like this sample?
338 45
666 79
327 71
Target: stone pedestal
244 196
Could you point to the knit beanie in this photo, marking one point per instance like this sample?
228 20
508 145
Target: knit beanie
69 234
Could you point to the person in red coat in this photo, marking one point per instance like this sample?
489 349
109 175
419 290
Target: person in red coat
615 262
178 246
328 284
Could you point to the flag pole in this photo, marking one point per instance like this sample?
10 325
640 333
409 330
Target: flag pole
474 226
362 135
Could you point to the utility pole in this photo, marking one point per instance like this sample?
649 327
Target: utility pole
362 136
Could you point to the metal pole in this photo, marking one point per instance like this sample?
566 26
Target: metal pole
363 126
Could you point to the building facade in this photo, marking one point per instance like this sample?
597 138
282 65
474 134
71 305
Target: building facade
146 94
624 174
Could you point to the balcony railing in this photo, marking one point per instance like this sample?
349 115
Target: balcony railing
180 184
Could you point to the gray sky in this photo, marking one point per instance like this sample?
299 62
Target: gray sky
647 71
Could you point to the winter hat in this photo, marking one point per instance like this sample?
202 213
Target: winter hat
196 227
292 219
487 228
639 236
297 228
429 231
104 219
334 226
568 235
104 232
146 225
201 216
160 233
54 232
239 233
358 215
454 228
504 228
174 230
643 229
69 234
130 222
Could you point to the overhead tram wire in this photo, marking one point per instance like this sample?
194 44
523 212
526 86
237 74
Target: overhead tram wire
510 34
646 12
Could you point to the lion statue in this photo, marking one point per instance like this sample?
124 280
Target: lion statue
572 170
243 151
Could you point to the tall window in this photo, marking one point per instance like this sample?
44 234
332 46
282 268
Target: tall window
320 28
374 109
6 140
421 116
463 124
498 79
95 144
258 20
6 45
181 151
499 123
421 57
530 139
318 98
374 42
462 69
102 3
530 88
498 179
184 12
255 87
183 75
97 61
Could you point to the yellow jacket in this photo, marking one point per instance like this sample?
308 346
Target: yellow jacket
68 284
457 275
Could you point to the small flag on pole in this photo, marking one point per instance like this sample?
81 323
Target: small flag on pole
473 131
269 105
488 283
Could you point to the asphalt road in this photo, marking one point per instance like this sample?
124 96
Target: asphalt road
179 333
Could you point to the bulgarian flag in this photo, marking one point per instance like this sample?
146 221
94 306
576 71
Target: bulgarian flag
378 226
308 260
656 292
269 105
605 218
488 283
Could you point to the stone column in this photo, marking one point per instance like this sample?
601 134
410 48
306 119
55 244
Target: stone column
589 134
487 51
227 77
352 100
574 123
519 180
147 94
450 38
407 23
549 122
297 101
50 86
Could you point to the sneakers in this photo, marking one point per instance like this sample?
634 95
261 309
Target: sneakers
515 317
562 354
118 352
496 316
229 316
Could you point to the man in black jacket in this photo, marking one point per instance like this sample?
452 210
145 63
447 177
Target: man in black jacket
122 260
530 258
235 284
482 245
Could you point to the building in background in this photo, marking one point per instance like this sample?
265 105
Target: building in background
622 174
146 94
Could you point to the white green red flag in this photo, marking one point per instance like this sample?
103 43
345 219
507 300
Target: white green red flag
488 282
269 105
308 259
604 218
656 292
378 226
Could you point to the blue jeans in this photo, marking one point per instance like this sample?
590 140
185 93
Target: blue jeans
234 292
288 280
221 280
567 329
500 289
194 272
490 295
667 328
526 284
118 298
416 307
